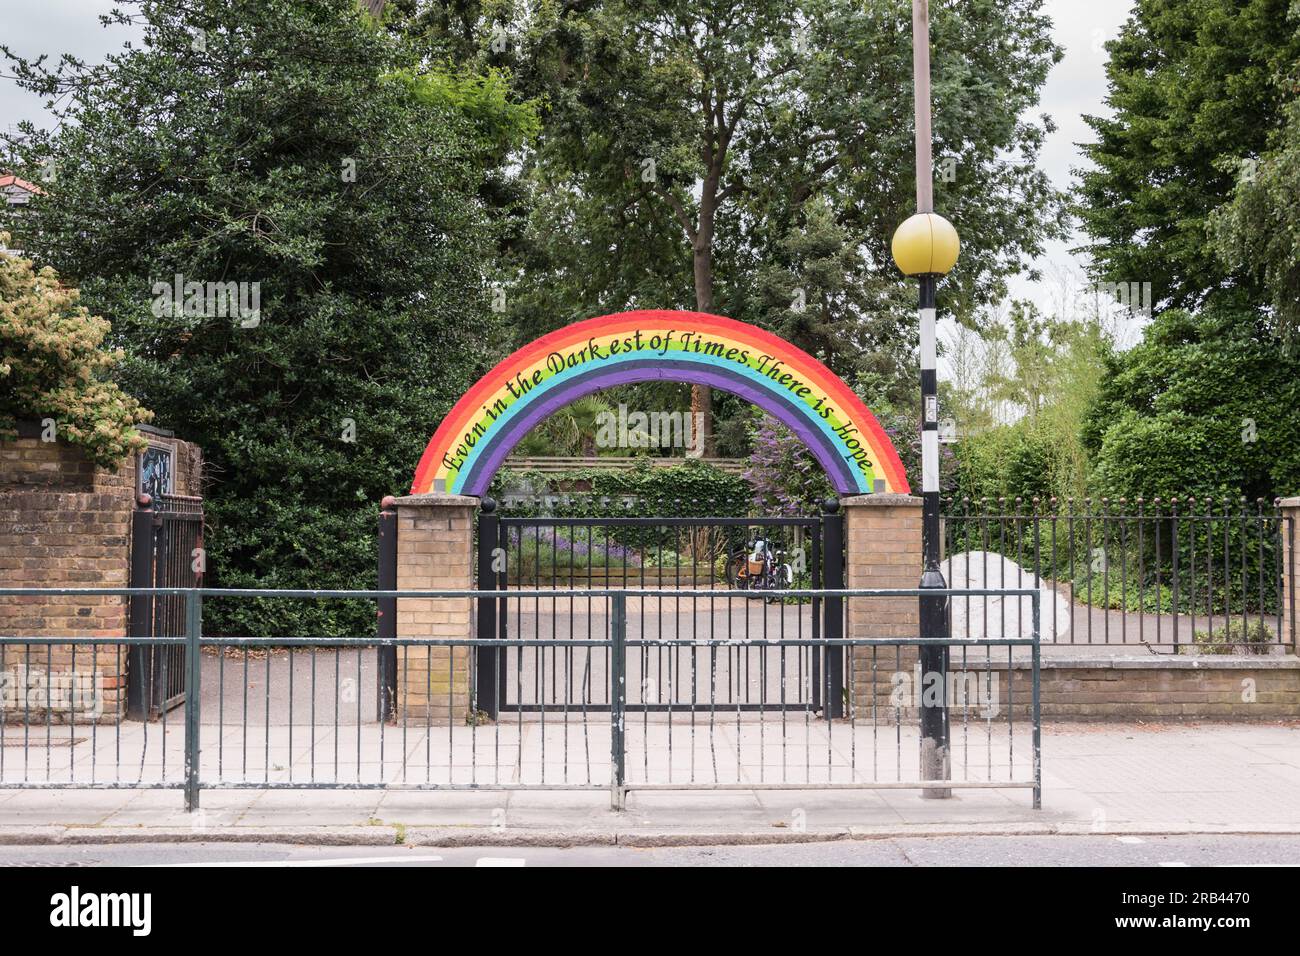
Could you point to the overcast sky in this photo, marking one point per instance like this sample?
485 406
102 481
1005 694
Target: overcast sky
1075 87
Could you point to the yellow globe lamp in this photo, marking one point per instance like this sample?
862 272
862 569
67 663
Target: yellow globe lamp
925 245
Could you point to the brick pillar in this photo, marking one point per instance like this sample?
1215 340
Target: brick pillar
435 549
1290 572
63 539
882 549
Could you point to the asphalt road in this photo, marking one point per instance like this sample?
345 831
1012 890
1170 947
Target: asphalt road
1056 851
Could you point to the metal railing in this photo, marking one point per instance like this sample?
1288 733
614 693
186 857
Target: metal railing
302 712
1178 575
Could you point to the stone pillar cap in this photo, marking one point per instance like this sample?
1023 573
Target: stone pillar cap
853 501
435 499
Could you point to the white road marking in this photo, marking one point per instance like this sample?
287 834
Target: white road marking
499 861
338 861
1129 839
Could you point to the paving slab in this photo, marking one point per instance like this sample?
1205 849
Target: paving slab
1119 778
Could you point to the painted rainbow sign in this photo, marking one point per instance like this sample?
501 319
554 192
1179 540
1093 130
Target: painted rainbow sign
489 420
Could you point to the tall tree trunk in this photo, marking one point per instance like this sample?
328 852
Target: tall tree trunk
701 396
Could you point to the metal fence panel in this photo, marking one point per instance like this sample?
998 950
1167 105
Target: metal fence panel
291 713
1179 575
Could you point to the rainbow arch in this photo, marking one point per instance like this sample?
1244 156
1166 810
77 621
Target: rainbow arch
692 347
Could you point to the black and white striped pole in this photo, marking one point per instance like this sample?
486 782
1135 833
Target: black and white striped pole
926 246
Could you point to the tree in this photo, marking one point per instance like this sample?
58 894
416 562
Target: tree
53 365
287 150
1203 406
1020 392
1197 89
753 158
1257 232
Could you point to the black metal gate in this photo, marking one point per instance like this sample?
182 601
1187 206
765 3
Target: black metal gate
166 552
675 662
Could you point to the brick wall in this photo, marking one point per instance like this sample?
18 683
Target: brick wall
1173 688
29 463
1121 688
435 551
66 523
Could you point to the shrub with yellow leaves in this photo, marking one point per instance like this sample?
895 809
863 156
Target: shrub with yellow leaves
53 365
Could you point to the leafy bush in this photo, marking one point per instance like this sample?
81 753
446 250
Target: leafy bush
1203 406
1008 461
1253 637
692 489
785 476
1116 590
53 365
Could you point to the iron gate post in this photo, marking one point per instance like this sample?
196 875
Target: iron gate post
618 699
1173 552
833 578
193 671
818 613
139 656
387 619
487 666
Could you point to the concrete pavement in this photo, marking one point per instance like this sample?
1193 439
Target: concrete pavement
1099 779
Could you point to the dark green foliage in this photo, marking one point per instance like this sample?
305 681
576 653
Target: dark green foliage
228 160
1005 462
692 489
1237 637
1258 232
1204 406
1197 87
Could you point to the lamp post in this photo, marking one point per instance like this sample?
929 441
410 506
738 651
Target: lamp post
926 246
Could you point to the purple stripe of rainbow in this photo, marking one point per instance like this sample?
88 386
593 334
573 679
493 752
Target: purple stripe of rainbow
844 476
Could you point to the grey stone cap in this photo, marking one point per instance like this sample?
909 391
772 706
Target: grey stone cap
1290 503
436 499
1152 662
855 501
